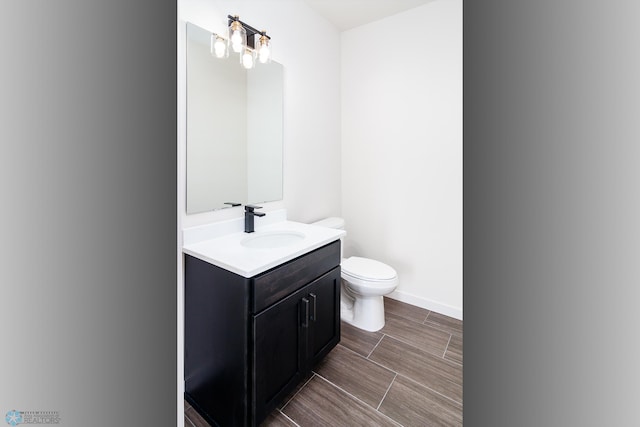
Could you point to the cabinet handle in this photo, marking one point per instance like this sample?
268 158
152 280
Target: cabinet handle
305 313
313 311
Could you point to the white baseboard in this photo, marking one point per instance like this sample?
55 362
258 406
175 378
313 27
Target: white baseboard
427 304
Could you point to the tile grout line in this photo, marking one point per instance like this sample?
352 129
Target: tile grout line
190 422
411 318
446 330
376 346
404 341
407 343
457 364
451 362
430 389
386 392
424 322
434 326
359 400
447 346
371 360
298 391
288 417
441 327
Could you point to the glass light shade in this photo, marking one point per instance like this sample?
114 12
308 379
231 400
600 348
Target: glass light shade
248 58
219 46
264 49
237 36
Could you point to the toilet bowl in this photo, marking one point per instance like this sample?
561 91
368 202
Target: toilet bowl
364 283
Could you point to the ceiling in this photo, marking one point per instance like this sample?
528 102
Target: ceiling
347 14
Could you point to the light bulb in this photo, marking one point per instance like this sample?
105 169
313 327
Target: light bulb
236 41
264 53
237 36
247 59
219 47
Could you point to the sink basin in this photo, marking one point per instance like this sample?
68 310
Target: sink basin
272 239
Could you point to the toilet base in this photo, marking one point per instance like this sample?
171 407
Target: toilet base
364 312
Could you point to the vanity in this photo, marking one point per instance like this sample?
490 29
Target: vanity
261 309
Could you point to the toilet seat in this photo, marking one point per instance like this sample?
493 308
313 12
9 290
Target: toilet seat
367 270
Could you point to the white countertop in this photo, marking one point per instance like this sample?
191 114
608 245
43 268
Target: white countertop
226 251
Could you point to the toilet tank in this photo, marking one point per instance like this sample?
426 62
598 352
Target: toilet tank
331 222
336 223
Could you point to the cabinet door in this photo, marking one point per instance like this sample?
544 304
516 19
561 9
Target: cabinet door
290 337
324 315
280 334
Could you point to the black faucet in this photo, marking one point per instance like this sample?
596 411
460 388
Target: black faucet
248 217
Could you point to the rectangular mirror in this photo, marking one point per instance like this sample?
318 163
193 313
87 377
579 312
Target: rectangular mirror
234 128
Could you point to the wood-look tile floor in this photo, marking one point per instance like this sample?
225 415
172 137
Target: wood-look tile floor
407 374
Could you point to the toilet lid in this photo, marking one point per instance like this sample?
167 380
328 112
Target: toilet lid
367 269
331 222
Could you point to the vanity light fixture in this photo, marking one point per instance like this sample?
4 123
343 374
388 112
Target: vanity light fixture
252 45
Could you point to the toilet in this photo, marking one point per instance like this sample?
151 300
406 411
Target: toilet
364 283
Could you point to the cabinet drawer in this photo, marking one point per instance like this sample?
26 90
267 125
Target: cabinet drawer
273 285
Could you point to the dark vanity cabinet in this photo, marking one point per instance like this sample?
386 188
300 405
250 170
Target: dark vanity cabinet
250 341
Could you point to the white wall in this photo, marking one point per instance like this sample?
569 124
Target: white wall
402 150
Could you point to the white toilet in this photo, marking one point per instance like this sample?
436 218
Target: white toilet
364 283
